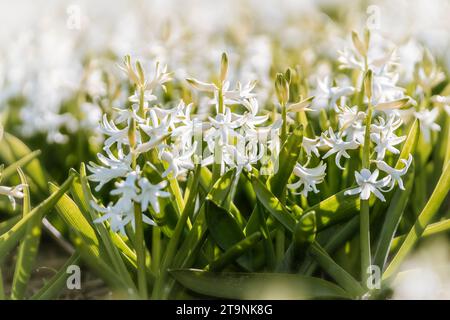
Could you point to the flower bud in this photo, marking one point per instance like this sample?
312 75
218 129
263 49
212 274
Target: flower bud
223 67
359 45
140 72
282 89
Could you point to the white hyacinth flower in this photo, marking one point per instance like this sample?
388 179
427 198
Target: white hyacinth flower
115 167
368 183
349 116
309 178
311 146
331 94
395 174
385 141
115 135
338 146
179 161
150 194
117 221
427 120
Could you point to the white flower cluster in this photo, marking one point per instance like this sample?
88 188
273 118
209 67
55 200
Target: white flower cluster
172 137
386 99
225 128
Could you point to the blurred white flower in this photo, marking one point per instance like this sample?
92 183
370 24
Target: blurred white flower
329 93
427 120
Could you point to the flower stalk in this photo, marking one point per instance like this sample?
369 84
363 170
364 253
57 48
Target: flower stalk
364 222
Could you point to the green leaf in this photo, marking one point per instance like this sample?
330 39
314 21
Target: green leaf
88 244
273 204
432 229
256 286
12 168
188 211
111 240
234 252
335 209
8 224
428 212
19 150
410 143
28 248
9 239
53 288
221 192
342 277
393 216
304 235
222 227
222 188
287 159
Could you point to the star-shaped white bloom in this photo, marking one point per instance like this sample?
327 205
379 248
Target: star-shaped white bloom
349 116
368 183
179 161
115 135
395 174
244 154
223 126
311 146
427 120
250 119
385 141
148 97
326 91
160 77
338 146
150 194
117 221
114 167
235 96
309 178
127 188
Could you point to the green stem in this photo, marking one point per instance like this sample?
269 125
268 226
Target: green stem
140 251
138 220
279 244
2 289
156 250
364 226
364 219
284 125
220 101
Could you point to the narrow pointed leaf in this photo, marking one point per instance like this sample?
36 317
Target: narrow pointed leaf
256 285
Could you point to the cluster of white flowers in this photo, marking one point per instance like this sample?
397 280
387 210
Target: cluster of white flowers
174 136
386 99
226 129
